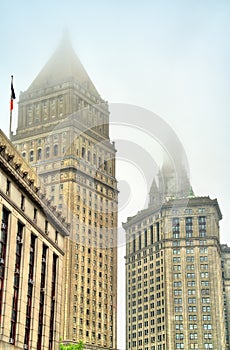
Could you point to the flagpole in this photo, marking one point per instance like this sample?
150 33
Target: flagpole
12 97
10 124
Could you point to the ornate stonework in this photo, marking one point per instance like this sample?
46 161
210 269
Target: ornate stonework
63 133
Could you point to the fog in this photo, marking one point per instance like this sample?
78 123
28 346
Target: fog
171 58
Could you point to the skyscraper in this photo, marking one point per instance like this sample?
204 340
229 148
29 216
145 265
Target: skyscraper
63 132
226 288
174 285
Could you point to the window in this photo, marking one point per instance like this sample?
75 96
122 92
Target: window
207 335
207 326
205 300
178 309
192 317
39 154
176 259
46 226
193 336
178 292
176 227
47 152
206 308
192 309
22 205
191 283
204 274
31 156
177 284
192 326
202 226
204 266
206 317
8 183
55 151
204 283
190 250
188 211
188 227
192 300
177 300
191 291
30 295
178 318
35 215
190 259
179 336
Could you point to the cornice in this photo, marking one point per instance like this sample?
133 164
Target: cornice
15 166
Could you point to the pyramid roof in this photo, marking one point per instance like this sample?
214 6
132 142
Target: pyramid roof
63 66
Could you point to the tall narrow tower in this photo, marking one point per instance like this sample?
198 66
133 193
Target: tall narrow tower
63 132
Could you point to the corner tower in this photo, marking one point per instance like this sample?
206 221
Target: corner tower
63 132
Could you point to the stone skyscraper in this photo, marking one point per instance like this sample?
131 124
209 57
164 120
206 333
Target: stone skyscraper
63 132
174 285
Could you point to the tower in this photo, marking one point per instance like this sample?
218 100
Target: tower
63 132
174 285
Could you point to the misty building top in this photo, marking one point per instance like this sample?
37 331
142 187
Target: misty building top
64 65
172 182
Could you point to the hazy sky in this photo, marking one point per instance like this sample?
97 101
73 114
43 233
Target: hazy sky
171 57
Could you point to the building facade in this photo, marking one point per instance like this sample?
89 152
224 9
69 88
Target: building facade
174 286
63 133
31 258
226 287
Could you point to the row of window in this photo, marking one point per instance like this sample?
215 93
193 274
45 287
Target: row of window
30 282
47 153
176 229
22 205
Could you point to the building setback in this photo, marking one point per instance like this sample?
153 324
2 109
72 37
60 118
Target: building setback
31 258
63 132
174 285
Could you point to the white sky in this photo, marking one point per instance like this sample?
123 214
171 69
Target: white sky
171 57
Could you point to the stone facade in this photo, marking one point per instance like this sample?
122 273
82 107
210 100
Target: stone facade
225 250
31 257
63 132
174 286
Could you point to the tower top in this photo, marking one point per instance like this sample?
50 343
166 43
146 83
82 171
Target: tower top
64 65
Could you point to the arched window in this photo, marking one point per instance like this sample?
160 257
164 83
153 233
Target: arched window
24 154
89 156
39 154
55 150
31 158
47 152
